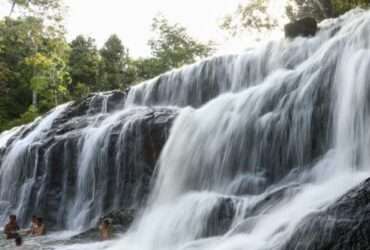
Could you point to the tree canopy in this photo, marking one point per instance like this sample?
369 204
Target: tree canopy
173 46
32 61
253 15
114 67
39 69
83 65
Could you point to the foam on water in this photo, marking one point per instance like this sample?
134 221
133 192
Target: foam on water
6 135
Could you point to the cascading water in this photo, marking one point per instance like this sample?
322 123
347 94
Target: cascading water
265 133
81 161
15 179
260 141
93 173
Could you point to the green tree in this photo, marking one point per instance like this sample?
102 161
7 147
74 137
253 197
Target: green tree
173 47
114 65
83 66
321 9
146 68
252 16
318 9
50 79
21 40
50 9
342 6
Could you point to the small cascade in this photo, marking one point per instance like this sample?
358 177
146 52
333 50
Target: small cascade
18 168
82 161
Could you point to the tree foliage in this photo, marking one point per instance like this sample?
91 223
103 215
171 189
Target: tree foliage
31 65
248 17
39 69
342 6
114 65
173 47
83 65
46 8
254 16
51 11
50 78
318 9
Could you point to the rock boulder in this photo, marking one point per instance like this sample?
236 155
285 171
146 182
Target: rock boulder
304 27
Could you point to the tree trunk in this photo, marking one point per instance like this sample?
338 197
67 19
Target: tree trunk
34 98
56 98
12 8
326 7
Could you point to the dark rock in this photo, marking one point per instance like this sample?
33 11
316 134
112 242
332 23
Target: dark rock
343 225
124 175
124 171
95 103
303 27
90 235
272 198
221 217
120 221
122 217
223 213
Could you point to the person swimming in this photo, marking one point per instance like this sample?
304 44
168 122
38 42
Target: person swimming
40 230
33 228
11 228
105 230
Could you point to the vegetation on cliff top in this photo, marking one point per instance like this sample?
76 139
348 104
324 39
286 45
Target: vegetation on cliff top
255 15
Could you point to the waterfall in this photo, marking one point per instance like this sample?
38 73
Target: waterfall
15 178
234 152
81 161
299 127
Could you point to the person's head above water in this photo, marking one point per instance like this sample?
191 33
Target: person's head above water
12 218
34 219
40 221
106 223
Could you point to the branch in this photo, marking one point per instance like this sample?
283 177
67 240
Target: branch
12 8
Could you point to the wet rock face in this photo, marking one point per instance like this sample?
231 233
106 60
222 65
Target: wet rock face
120 221
222 215
122 217
118 170
220 218
304 27
344 225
